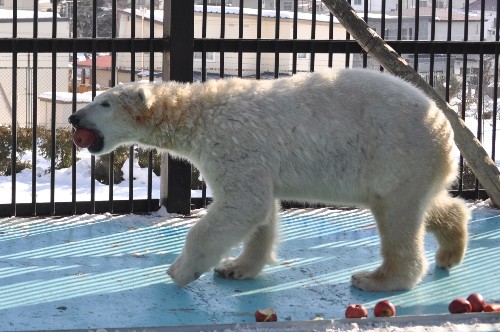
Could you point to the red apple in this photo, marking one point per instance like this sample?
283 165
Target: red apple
83 138
494 307
477 302
459 306
356 311
266 315
384 309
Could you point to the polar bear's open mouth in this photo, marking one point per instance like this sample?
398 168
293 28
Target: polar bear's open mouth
88 138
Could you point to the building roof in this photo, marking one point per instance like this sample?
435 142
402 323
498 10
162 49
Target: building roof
24 14
67 97
103 61
489 5
441 14
158 14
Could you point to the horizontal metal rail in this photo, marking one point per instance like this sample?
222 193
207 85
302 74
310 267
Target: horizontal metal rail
59 45
49 45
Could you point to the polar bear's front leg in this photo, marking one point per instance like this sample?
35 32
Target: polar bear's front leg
201 251
230 219
257 252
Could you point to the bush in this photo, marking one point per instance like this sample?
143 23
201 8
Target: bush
63 146
143 159
120 155
6 151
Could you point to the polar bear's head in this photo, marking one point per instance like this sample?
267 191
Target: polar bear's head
115 117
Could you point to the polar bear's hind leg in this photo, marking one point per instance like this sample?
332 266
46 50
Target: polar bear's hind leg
401 230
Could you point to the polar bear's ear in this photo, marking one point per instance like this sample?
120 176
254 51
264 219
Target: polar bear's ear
146 97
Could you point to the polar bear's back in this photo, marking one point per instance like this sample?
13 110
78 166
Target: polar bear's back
323 136
352 129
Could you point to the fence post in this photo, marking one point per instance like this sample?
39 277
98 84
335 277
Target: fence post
178 28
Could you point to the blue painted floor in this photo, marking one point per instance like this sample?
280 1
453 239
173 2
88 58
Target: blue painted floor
103 271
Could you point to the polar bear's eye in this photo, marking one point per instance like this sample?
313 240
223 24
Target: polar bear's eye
105 104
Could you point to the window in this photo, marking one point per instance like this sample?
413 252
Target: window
2 3
302 55
270 5
404 34
357 2
423 3
210 56
288 5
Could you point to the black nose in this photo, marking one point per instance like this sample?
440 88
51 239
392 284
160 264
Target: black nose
74 120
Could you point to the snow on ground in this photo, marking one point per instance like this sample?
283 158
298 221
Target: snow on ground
63 183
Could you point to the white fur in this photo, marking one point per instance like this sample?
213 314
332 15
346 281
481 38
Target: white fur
353 136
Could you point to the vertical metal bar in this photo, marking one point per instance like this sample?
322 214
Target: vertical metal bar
294 35
111 161
222 36
151 79
73 102
482 15
204 78
259 36
433 37
448 55
277 36
417 33
313 36
480 133
382 21
203 36
178 65
464 89
400 18
382 24
347 53
133 21
93 159
480 98
330 37
365 17
13 155
466 23
240 36
53 136
34 119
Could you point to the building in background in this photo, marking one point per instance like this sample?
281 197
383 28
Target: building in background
43 5
24 67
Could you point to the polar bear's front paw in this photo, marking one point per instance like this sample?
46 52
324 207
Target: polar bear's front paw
237 268
182 273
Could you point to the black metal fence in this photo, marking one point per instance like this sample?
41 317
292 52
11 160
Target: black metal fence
53 62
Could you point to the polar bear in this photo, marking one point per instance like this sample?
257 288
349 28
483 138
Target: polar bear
352 136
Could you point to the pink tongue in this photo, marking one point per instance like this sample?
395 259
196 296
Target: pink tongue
83 138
